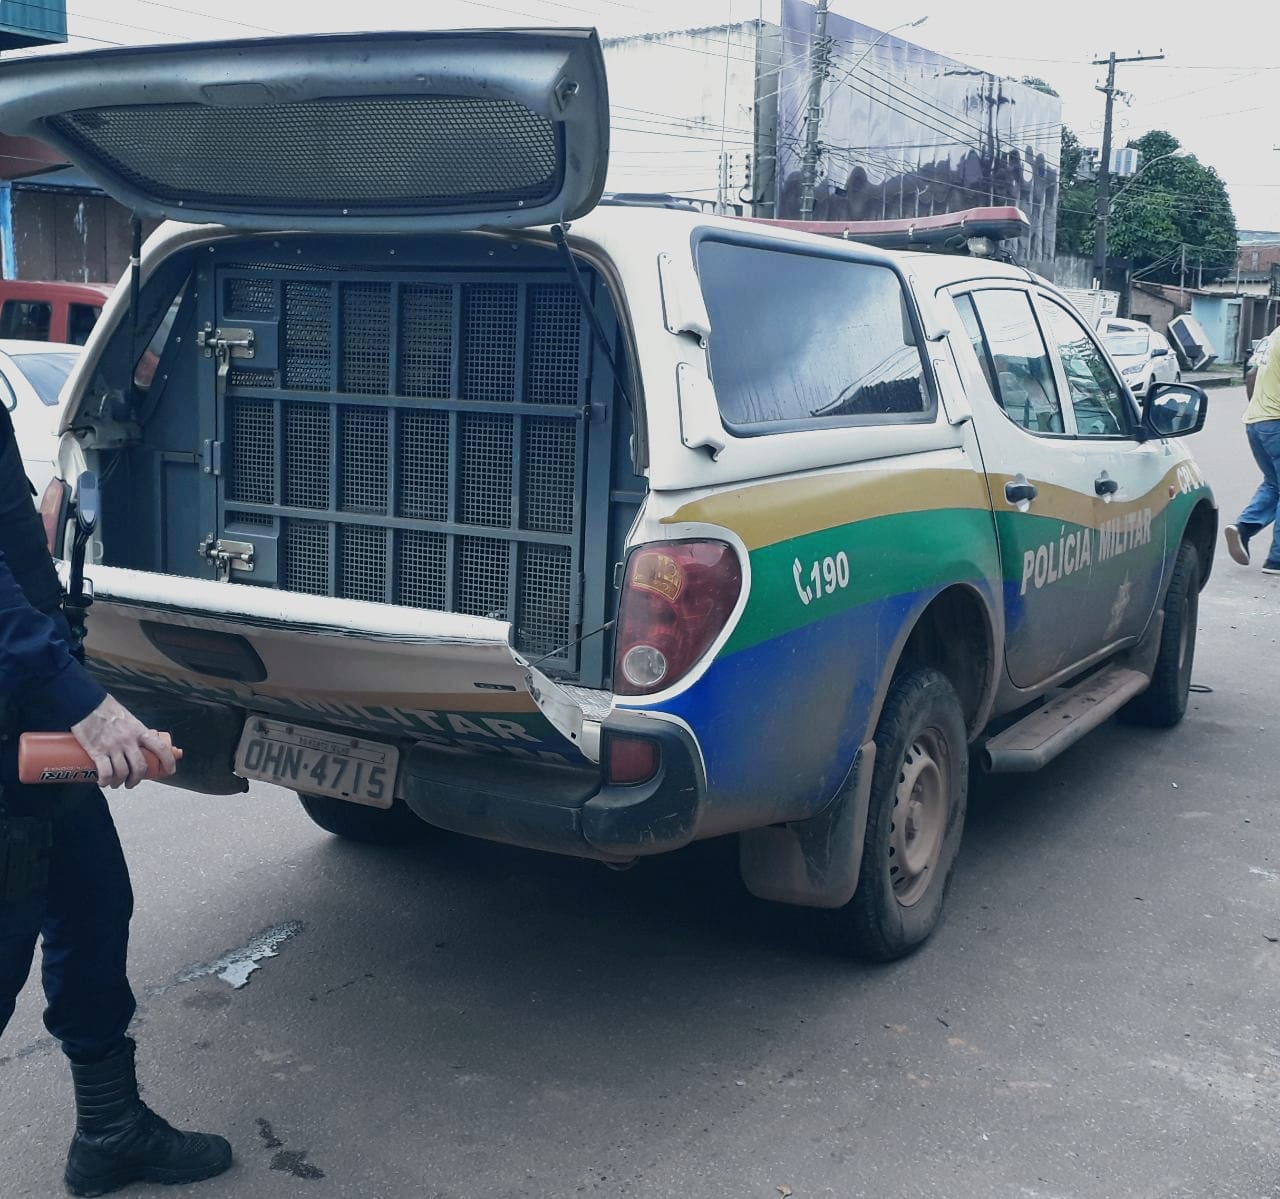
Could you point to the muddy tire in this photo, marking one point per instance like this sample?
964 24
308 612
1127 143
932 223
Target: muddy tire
1164 703
395 825
919 793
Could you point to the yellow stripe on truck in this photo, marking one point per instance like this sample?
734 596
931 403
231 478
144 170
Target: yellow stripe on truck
767 513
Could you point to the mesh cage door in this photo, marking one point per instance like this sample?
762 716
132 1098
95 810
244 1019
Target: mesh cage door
423 440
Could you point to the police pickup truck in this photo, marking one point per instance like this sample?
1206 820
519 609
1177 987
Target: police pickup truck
452 497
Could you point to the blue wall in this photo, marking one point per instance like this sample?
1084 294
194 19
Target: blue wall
32 23
1212 313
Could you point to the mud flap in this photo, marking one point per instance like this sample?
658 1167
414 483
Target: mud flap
814 863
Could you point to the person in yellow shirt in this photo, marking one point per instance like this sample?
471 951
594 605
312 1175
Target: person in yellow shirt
1262 424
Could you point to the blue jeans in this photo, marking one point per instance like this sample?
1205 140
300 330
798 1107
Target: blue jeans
1264 441
83 918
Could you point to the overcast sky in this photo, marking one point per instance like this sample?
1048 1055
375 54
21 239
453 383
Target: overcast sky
1218 89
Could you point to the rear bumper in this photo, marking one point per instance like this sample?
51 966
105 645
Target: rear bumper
559 809
545 805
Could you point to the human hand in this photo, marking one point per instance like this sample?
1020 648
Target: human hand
114 738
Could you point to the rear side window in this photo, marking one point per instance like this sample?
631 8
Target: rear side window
81 319
26 320
798 337
1018 360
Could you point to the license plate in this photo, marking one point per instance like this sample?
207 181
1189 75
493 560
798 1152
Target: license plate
318 763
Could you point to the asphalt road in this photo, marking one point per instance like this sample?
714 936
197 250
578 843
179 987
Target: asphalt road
1097 1019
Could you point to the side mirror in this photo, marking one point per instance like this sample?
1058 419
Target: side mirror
86 503
1174 409
1159 351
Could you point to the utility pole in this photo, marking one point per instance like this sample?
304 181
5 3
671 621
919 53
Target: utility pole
1104 168
818 52
1182 276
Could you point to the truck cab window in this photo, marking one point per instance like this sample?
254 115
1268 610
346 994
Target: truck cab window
81 319
973 330
1025 385
26 320
1101 408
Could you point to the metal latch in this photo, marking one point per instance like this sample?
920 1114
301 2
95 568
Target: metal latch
224 345
226 556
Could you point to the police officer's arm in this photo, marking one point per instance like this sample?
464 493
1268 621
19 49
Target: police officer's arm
36 667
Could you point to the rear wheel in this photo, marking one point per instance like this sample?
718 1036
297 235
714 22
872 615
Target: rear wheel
395 825
919 792
1164 703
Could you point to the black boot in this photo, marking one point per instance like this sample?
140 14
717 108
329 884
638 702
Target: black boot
120 1140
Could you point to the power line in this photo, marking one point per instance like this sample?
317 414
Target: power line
915 116
682 136
952 115
209 16
118 24
955 130
671 118
79 37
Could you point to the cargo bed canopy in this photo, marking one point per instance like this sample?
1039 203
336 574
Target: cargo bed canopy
397 132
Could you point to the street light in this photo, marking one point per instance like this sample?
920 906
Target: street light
905 25
1107 206
1179 153
848 74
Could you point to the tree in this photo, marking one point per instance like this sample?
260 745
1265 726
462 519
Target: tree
1076 199
1172 203
1039 84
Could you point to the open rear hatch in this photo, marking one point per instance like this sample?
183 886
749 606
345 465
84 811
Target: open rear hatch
406 133
395 132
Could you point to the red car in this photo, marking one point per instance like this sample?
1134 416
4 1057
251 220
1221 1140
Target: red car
37 311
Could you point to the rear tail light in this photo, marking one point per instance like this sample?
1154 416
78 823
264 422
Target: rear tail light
677 596
629 760
54 510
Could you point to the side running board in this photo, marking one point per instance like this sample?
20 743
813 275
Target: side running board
1042 735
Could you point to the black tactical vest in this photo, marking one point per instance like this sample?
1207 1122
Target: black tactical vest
22 540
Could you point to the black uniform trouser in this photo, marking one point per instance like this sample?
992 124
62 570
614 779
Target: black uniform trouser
82 917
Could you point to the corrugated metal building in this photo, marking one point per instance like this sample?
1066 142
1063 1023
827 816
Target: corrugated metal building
32 23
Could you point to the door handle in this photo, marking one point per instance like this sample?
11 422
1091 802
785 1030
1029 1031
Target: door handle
1015 492
1104 486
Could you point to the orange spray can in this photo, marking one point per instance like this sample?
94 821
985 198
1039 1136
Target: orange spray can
60 758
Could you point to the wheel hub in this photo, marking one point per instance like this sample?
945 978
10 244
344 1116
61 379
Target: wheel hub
919 823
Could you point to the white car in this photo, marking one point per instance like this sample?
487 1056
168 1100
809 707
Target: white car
31 377
1143 356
